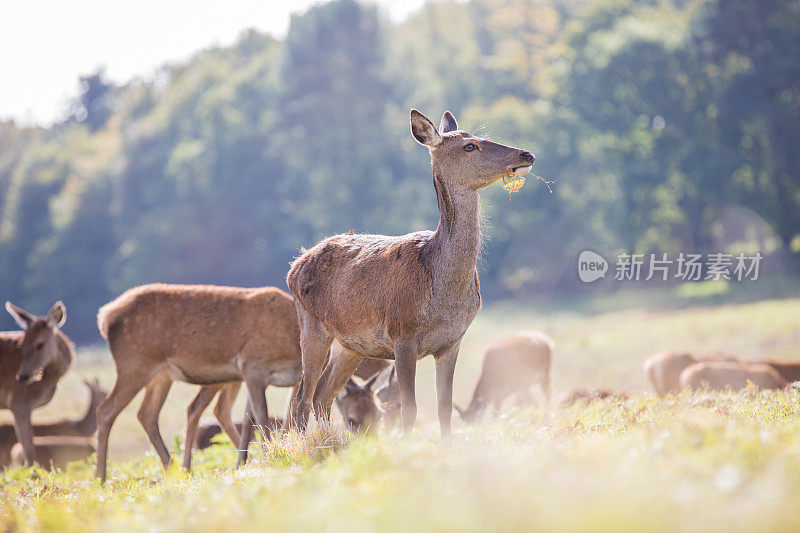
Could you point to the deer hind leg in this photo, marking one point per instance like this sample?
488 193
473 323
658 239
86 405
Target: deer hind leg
445 369
341 365
125 388
193 413
224 407
315 343
154 397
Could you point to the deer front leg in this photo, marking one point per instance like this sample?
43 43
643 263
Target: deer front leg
445 369
24 430
246 435
405 357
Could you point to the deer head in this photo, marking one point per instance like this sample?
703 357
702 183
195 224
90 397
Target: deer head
464 160
358 404
39 344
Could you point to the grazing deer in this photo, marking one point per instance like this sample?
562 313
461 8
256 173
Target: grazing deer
664 368
510 367
720 375
84 427
358 404
199 334
404 297
154 398
55 451
31 363
362 404
591 395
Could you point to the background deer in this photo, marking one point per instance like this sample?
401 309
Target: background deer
199 334
84 427
362 404
789 370
511 366
720 375
55 451
31 363
664 368
404 297
208 430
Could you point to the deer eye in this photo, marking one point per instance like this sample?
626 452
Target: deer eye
470 147
39 346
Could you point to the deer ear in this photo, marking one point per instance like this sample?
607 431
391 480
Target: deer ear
22 317
56 316
423 130
448 123
383 378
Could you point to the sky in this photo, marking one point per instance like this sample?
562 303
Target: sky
46 45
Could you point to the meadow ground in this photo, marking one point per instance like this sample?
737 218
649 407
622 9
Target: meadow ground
693 462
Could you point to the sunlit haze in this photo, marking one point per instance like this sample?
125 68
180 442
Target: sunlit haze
47 45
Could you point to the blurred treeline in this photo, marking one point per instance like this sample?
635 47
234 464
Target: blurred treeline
670 125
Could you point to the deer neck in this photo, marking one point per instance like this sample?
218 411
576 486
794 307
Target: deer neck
457 239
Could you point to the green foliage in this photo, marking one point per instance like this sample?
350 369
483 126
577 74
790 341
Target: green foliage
654 117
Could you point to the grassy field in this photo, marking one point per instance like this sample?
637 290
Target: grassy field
693 462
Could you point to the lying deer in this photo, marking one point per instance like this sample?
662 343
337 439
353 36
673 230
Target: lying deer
591 395
718 375
511 366
199 334
207 431
84 427
664 368
789 370
55 451
404 297
31 363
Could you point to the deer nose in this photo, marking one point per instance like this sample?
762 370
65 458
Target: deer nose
529 157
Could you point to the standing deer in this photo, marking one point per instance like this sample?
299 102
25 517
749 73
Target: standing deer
511 366
664 368
31 363
199 334
84 427
404 297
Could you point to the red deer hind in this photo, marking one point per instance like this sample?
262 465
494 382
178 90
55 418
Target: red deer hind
404 297
31 364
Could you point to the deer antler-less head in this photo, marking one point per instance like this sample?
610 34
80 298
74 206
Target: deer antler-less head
39 344
465 160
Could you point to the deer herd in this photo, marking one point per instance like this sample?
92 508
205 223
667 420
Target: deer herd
362 310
